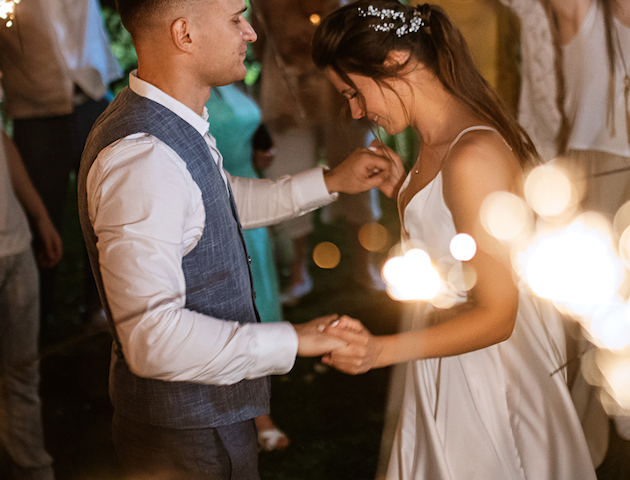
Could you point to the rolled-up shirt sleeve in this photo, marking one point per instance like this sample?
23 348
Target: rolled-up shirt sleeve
261 202
147 214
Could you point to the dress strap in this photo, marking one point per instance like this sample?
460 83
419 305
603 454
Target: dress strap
470 129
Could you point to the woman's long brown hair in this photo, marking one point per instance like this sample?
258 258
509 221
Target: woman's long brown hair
347 42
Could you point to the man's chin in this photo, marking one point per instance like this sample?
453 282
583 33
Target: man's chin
229 80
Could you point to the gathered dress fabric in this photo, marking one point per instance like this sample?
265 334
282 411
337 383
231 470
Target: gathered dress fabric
496 413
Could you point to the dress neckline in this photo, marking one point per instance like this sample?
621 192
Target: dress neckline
405 184
448 152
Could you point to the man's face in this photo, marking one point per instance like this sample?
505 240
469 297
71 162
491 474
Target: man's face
223 34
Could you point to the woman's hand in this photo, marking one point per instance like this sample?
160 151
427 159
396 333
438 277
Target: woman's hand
396 170
362 351
312 339
262 159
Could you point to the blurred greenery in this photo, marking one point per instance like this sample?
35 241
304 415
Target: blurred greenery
123 49
121 46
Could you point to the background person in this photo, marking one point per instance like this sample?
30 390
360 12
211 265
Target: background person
21 432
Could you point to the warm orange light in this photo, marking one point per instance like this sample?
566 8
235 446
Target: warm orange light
326 255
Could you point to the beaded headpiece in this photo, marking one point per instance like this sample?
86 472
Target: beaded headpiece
390 16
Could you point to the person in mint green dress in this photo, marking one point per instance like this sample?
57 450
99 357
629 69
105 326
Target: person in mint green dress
234 118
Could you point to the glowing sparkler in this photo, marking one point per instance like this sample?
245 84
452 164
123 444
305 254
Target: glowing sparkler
578 260
412 276
7 11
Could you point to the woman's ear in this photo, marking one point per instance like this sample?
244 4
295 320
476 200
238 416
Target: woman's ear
396 58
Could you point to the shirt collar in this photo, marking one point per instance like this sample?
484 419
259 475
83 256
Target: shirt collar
147 90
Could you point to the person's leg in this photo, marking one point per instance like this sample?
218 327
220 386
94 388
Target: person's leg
295 151
21 429
151 452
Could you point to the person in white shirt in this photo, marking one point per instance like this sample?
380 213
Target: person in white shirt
162 220
57 66
21 432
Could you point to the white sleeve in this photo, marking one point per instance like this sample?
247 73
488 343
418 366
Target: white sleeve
261 202
147 213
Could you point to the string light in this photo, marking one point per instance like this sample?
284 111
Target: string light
7 11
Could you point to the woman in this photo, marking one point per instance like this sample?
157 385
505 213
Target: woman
480 398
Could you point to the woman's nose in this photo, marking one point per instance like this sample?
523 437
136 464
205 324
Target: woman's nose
355 109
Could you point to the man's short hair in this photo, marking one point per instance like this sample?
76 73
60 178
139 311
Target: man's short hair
138 15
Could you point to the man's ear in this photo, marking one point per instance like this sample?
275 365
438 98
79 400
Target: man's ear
396 57
181 34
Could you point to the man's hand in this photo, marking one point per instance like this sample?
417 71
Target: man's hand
375 167
397 173
363 170
312 341
362 351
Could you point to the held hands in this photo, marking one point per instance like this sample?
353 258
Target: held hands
367 168
343 343
312 341
397 172
362 349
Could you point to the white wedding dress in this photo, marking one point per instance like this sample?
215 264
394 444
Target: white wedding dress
493 414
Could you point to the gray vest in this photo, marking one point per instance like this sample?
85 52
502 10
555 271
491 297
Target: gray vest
217 274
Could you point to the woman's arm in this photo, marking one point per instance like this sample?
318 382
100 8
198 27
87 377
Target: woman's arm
49 247
474 170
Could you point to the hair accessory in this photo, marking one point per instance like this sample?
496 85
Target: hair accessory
415 23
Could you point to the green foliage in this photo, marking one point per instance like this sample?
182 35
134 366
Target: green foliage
123 49
121 46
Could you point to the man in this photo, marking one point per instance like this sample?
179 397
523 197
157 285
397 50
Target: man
159 215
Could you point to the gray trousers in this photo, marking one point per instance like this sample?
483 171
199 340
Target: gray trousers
157 453
20 407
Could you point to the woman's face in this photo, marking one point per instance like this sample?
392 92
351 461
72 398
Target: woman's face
379 104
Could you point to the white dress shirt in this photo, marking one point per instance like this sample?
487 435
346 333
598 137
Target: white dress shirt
148 213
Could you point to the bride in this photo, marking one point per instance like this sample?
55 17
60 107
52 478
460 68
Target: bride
480 398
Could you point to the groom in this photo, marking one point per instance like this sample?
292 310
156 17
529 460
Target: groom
161 221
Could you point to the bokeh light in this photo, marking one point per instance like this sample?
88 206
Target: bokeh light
315 19
463 247
576 267
326 255
373 237
463 277
505 216
616 371
621 227
412 276
549 191
610 326
7 11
